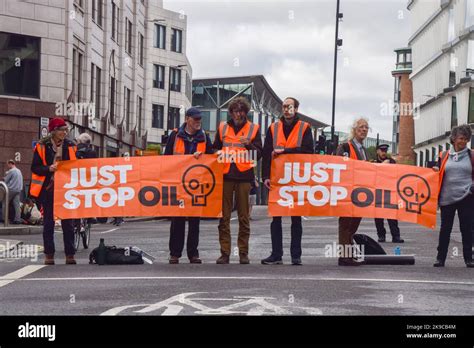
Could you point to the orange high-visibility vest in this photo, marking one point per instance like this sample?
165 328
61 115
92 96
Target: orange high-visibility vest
352 151
233 148
444 159
295 138
37 181
179 149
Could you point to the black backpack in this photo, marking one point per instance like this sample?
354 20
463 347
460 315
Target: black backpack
117 256
371 247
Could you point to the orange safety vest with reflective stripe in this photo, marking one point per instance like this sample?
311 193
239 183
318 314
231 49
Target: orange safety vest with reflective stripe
37 181
178 146
352 152
295 139
232 147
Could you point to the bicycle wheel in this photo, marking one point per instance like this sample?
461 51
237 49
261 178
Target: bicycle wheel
77 234
86 234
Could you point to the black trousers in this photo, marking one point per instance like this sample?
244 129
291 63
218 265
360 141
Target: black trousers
177 228
465 210
393 224
277 237
48 227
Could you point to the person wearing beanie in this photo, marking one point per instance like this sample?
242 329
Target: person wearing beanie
47 153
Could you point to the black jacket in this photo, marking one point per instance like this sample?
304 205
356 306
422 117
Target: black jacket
255 145
307 145
39 168
85 151
190 141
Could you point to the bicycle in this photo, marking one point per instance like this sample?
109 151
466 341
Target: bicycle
82 231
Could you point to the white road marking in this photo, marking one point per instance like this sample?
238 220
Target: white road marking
108 231
248 305
441 282
22 272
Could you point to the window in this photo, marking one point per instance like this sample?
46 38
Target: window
451 28
454 112
452 70
440 148
157 116
427 156
206 120
448 146
139 114
97 6
19 65
126 108
422 164
96 73
141 47
433 153
160 36
115 21
175 80
176 40
128 36
113 99
77 83
158 76
174 118
470 115
469 14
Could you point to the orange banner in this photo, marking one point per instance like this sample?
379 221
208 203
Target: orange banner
318 185
139 186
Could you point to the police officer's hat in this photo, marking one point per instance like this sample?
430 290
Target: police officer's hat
383 147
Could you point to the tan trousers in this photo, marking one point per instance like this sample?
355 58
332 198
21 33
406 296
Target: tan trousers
242 190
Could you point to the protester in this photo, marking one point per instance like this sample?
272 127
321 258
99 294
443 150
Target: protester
14 181
239 139
456 173
348 226
289 135
382 157
189 139
47 153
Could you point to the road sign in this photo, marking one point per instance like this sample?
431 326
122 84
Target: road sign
44 121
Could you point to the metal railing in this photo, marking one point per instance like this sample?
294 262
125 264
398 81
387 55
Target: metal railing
6 203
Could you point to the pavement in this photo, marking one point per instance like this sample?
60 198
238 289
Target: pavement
319 287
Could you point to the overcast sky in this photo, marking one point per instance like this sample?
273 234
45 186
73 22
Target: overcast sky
291 43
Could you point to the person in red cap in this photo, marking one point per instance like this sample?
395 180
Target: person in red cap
48 151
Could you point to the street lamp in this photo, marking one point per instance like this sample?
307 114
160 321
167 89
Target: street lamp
169 92
337 44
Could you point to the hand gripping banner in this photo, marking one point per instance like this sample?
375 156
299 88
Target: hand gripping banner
318 185
139 186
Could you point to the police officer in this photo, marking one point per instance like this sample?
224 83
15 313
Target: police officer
393 224
286 136
47 153
189 139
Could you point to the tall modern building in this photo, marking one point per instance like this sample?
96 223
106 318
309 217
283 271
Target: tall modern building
111 67
442 46
403 124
